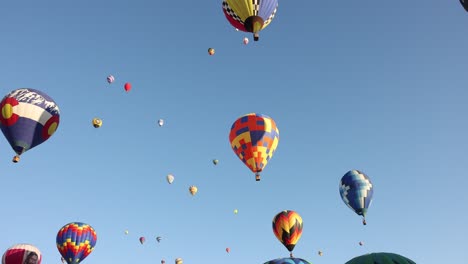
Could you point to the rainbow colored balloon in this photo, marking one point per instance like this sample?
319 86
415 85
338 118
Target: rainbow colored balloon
29 117
254 139
287 227
75 241
22 254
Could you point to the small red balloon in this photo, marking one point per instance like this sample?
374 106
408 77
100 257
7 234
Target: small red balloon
128 87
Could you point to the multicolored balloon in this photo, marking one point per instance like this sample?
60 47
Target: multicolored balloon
193 190
29 117
110 79
250 16
22 254
211 51
288 261
287 227
128 87
215 162
254 139
97 122
75 241
356 190
381 258
142 240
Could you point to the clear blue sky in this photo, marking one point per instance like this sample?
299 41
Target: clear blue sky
379 86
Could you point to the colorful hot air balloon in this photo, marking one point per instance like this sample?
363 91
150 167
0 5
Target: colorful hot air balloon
29 117
170 178
288 261
215 162
250 16
245 41
381 258
142 240
97 122
75 241
22 254
228 250
464 3
128 87
110 79
254 138
287 227
193 190
159 239
179 261
320 253
356 190
211 51
160 122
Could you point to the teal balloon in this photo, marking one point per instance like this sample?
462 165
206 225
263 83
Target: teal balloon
381 258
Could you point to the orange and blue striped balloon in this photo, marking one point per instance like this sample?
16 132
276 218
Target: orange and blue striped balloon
75 241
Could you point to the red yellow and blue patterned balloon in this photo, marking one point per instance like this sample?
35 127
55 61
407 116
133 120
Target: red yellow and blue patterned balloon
22 254
254 139
287 227
75 241
29 117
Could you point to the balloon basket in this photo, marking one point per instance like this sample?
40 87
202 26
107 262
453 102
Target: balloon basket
16 159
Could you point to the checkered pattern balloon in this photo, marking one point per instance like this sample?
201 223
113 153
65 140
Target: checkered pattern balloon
75 241
356 190
287 227
288 261
237 11
254 138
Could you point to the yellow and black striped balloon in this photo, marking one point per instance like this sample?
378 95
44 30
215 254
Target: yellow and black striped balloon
287 227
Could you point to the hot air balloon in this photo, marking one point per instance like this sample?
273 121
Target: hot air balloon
97 122
159 239
163 261
211 51
356 190
75 241
287 227
110 79
235 211
381 258
170 178
320 253
464 3
160 122
361 243
179 261
228 250
245 41
126 232
254 138
22 254
250 16
288 261
215 162
142 240
29 117
128 87
193 190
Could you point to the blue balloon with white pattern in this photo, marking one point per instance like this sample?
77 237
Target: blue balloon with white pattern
356 190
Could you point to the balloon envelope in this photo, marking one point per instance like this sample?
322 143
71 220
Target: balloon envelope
381 258
29 117
142 240
110 79
75 241
170 178
254 139
464 4
287 227
193 190
179 261
356 190
22 254
127 87
97 122
288 261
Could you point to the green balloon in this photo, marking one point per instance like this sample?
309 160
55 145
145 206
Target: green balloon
381 258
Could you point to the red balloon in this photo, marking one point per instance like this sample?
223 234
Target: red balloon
127 87
22 254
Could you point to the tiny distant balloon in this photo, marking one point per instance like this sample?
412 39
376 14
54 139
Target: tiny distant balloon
235 211
228 250
142 240
163 261
159 239
126 232
211 51
110 79
215 162
193 190
245 41
361 243
97 122
170 178
160 122
320 253
128 87
179 261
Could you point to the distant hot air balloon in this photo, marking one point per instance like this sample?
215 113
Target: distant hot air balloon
360 243
250 16
97 122
245 41
163 261
75 241
356 190
160 122
287 227
235 211
288 261
215 162
193 190
211 51
254 138
381 258
29 117
22 254
320 253
179 261
228 250
464 4
110 79
126 232
142 240
128 87
170 178
159 239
